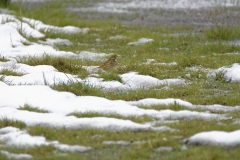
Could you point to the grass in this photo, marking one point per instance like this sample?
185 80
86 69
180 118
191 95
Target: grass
66 65
5 3
150 140
221 32
194 51
174 107
7 72
32 109
2 59
5 122
110 76
137 119
95 137
78 89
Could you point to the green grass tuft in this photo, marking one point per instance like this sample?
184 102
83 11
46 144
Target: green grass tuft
32 109
78 89
62 64
3 59
138 119
5 3
110 76
5 122
221 32
7 72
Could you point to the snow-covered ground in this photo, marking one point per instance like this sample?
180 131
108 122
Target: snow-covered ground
123 6
155 12
32 88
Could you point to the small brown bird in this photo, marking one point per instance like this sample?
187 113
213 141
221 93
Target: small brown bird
110 64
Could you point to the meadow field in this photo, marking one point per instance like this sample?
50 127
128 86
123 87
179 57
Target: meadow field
174 93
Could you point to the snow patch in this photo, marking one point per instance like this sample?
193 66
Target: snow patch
92 56
152 101
230 73
57 41
18 138
215 138
141 41
16 156
163 149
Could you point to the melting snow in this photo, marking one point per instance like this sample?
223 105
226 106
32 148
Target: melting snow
41 26
44 78
231 73
229 139
163 149
55 102
152 61
48 75
153 101
116 37
141 41
129 7
14 137
33 91
92 56
124 143
13 46
16 156
57 41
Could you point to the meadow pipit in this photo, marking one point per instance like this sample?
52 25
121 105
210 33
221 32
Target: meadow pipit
110 64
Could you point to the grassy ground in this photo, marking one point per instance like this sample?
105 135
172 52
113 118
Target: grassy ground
187 46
